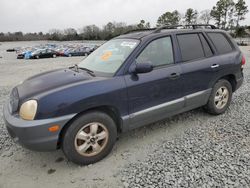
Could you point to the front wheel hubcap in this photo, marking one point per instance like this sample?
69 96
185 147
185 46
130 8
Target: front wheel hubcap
91 139
221 97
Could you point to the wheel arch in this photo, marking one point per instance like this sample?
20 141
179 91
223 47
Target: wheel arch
232 80
109 110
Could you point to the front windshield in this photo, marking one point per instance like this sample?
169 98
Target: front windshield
110 56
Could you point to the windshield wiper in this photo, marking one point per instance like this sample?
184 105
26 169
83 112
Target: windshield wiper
76 68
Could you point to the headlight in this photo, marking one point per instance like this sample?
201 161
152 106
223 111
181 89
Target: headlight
28 110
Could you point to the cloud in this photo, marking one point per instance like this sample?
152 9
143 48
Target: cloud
42 15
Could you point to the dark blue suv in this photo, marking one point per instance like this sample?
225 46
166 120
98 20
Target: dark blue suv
131 80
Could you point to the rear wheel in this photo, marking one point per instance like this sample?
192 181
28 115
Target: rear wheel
54 55
220 97
37 57
89 138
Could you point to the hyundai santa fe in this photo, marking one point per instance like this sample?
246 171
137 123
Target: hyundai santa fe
130 81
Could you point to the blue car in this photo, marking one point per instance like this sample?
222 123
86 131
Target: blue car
128 82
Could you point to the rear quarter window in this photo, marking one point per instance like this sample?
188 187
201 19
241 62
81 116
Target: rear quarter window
221 42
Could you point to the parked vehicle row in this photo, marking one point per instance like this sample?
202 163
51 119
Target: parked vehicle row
53 51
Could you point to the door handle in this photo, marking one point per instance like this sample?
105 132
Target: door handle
174 75
215 66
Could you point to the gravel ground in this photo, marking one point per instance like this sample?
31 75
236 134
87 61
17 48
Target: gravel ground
193 149
212 153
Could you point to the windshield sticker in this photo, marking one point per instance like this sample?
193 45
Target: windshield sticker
128 44
106 55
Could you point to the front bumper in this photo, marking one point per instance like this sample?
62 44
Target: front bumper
34 134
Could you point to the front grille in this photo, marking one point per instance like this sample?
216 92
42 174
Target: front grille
14 100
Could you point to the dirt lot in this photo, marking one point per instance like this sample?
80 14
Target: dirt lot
192 149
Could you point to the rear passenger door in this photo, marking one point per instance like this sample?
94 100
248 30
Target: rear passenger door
198 65
226 51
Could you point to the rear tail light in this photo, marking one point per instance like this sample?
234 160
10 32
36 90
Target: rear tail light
243 62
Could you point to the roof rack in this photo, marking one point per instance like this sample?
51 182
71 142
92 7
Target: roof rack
157 30
193 26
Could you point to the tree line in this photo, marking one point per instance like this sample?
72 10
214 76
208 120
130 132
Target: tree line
226 14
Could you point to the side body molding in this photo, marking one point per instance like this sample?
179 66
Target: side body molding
165 110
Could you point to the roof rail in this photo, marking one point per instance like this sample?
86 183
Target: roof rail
137 30
193 26
157 30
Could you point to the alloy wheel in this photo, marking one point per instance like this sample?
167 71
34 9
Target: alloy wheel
91 139
221 97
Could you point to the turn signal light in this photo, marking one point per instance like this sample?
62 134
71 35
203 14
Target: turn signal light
54 128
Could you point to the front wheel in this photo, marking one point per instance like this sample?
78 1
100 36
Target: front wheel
89 138
220 97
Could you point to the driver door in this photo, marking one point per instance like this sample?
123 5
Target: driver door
157 94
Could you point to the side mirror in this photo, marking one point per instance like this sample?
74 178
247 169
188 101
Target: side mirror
141 68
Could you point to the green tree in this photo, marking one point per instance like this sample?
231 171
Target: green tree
241 9
70 34
191 16
169 18
55 34
91 32
143 25
240 32
217 13
231 19
221 11
227 6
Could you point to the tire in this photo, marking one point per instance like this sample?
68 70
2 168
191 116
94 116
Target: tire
86 54
69 55
78 137
54 56
220 98
37 56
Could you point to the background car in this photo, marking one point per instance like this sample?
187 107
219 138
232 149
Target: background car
52 50
43 53
78 52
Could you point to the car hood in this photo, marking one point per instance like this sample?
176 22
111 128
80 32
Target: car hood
49 80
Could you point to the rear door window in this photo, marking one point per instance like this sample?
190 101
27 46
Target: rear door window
190 46
221 43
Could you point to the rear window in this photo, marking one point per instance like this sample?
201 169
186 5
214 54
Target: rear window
190 46
221 43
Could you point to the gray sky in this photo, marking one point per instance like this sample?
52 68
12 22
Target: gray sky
43 15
